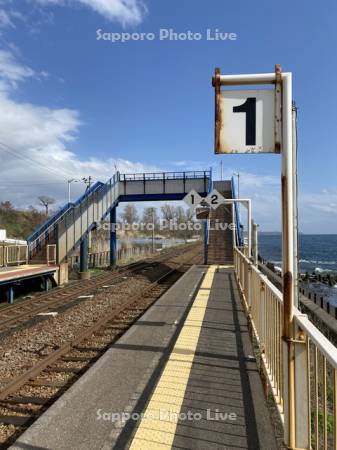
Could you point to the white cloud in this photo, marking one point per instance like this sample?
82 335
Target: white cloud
11 71
124 11
34 145
40 138
317 210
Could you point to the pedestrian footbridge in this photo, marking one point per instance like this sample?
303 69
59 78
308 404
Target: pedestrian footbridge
70 226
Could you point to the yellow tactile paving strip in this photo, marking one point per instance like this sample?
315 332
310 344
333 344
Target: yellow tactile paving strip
157 428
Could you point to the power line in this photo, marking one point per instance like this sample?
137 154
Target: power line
33 184
13 152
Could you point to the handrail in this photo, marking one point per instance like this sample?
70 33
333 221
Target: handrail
59 214
326 348
165 175
315 378
317 337
13 254
44 228
46 225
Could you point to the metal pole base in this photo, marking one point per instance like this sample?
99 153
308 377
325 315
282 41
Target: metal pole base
84 275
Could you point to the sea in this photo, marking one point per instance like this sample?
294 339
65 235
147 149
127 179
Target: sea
317 253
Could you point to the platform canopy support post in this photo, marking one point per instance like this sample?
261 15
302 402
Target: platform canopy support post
84 248
113 237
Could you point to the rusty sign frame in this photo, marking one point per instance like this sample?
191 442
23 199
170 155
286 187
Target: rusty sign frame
283 91
217 82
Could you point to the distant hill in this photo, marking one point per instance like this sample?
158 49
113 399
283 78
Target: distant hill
19 223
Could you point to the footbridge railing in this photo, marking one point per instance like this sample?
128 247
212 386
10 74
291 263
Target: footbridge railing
315 358
72 223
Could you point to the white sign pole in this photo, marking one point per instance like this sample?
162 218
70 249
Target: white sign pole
287 258
239 137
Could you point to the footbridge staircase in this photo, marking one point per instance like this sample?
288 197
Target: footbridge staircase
63 232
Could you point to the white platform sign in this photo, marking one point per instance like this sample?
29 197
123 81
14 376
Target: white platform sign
247 121
214 199
192 199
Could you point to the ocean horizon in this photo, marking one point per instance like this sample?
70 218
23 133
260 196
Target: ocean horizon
317 252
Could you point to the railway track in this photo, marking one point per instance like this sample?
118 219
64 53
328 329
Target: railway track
14 316
27 396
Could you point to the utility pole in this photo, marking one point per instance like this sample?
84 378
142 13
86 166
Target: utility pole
71 180
152 230
87 181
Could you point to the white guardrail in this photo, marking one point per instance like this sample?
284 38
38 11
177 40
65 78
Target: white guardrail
13 255
315 381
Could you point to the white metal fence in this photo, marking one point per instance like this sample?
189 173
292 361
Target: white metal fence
315 358
13 255
51 254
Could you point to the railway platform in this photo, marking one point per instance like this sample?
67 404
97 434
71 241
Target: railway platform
14 273
13 276
184 376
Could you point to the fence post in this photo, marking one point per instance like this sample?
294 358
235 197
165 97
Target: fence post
249 286
255 244
302 399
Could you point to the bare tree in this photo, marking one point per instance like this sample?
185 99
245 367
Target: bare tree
168 212
180 214
150 217
129 214
46 201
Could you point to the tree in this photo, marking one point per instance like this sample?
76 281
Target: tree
19 223
129 214
168 212
46 201
150 217
180 214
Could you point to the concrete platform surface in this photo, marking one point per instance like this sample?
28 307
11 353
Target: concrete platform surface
11 273
182 377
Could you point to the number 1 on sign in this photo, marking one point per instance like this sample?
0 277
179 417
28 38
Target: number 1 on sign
249 107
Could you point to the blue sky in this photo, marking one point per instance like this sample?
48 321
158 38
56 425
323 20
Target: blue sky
80 106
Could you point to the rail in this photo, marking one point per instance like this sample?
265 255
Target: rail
165 176
315 382
13 255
